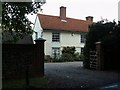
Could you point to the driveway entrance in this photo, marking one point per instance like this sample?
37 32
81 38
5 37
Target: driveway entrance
73 75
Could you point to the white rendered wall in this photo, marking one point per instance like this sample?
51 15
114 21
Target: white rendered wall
37 28
70 39
48 43
66 39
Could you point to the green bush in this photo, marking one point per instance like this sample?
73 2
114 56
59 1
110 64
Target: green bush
77 57
69 54
21 83
67 57
48 58
81 56
108 33
58 60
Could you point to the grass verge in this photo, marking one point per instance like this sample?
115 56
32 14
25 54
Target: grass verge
34 82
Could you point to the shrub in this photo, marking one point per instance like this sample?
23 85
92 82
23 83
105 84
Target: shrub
69 54
81 56
77 57
67 57
57 60
48 58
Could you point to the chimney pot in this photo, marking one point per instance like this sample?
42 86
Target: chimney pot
89 18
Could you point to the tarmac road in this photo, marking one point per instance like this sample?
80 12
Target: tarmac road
73 75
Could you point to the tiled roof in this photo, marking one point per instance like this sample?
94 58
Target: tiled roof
69 24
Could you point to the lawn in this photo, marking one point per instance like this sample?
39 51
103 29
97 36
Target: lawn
34 82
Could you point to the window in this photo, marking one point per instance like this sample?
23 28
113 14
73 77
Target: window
82 50
56 37
56 52
82 38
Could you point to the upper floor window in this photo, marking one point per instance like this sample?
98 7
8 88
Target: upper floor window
83 39
55 37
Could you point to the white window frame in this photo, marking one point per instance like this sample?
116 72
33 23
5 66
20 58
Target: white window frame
56 51
55 37
81 51
82 38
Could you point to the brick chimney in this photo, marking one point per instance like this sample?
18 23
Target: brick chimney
89 18
62 13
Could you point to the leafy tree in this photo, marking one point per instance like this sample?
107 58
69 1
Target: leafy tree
104 32
111 46
0 8
14 19
0 13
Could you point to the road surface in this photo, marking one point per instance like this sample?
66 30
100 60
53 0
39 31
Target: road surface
73 75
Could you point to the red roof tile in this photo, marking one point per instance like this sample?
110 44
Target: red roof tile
54 23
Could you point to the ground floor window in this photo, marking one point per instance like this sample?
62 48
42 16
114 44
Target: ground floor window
56 52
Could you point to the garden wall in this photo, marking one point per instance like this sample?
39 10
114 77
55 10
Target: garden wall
19 59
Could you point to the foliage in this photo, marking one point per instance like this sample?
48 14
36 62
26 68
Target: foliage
20 83
0 17
111 45
108 33
48 58
14 19
81 56
70 50
67 57
0 8
69 54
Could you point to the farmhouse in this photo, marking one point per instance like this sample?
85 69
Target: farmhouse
61 31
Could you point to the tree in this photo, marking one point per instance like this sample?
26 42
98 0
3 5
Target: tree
0 8
111 46
0 12
14 19
104 32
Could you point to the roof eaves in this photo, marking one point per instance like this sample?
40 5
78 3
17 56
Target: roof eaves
61 30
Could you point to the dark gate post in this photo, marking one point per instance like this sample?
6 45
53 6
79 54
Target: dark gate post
100 56
39 57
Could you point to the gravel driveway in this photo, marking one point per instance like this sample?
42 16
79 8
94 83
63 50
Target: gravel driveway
73 75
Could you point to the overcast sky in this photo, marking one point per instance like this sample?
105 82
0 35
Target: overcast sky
79 9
